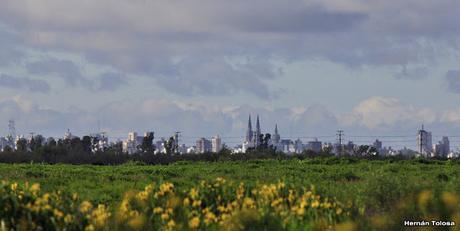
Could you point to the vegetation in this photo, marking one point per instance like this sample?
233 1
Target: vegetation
370 195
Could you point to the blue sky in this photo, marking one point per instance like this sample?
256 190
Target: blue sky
368 67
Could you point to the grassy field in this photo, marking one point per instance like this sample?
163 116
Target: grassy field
373 187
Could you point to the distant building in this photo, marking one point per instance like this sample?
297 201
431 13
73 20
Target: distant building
3 143
131 145
442 149
424 143
252 139
216 143
378 146
68 135
203 145
314 145
298 146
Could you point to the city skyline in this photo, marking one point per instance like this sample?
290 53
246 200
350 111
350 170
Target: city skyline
312 67
425 143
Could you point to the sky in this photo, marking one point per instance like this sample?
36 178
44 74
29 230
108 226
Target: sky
370 68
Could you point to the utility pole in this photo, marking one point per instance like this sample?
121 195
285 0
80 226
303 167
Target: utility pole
340 139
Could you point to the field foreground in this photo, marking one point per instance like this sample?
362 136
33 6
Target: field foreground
313 194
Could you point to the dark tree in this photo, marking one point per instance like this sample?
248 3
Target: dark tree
147 143
21 145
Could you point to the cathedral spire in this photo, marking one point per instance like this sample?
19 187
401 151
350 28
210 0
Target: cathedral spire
249 132
258 126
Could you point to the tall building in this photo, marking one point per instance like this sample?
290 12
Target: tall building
442 149
131 145
252 139
446 143
203 145
216 143
424 142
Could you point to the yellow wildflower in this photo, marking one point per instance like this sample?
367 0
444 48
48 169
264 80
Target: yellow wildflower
14 186
165 216
57 213
315 204
157 210
194 223
186 201
85 206
35 188
137 222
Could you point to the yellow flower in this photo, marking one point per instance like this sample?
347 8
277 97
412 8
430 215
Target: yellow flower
248 202
165 216
209 218
90 227
58 213
424 197
137 222
193 193
449 199
171 224
157 210
300 211
14 186
35 188
100 216
315 204
85 206
68 218
194 223
338 211
186 201
196 203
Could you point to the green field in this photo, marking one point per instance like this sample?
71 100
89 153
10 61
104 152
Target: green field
373 187
362 181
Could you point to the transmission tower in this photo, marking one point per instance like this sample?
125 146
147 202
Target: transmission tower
339 140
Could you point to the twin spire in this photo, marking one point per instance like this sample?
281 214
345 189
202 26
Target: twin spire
250 134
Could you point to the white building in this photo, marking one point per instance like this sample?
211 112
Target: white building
203 145
131 145
216 143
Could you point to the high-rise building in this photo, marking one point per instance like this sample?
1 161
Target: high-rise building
424 142
446 144
203 145
216 143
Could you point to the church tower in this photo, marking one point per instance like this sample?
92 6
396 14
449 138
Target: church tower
257 133
249 132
